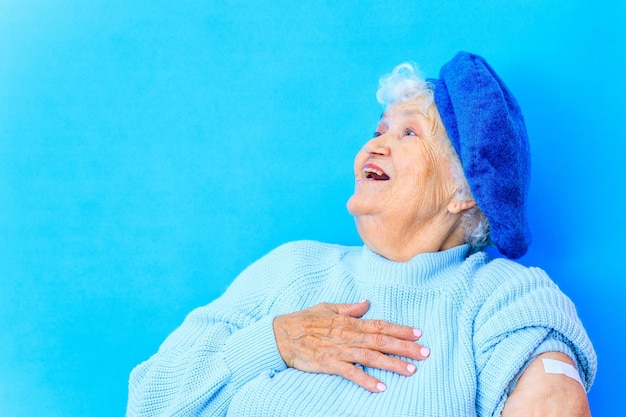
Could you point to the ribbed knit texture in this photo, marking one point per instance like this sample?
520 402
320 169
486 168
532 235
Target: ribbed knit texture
483 320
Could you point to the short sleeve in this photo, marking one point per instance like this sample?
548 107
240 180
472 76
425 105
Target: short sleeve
523 315
552 343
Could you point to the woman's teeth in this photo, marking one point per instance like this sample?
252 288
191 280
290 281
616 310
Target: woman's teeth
374 174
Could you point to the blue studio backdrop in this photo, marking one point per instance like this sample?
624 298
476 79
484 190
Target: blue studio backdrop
150 150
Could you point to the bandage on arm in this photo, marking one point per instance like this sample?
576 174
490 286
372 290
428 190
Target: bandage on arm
553 366
542 391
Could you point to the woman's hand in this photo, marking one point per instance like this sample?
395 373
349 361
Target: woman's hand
331 339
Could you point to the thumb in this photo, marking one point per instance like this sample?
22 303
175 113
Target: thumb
353 310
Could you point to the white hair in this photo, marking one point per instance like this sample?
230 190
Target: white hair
407 84
404 84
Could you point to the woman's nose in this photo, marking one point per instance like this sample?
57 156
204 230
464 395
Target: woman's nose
377 146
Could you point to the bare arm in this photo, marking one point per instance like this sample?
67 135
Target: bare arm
538 393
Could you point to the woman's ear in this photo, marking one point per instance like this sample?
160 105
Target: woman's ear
458 206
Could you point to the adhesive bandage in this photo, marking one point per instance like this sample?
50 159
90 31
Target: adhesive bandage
552 366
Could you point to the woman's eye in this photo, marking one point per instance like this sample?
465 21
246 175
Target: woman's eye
410 132
377 134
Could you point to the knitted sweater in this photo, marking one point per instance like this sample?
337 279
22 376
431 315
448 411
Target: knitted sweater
483 320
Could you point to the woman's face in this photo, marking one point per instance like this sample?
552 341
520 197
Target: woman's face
403 174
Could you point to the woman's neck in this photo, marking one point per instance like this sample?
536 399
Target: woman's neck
402 242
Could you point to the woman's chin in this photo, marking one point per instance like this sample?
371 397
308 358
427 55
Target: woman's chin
351 205
356 204
359 205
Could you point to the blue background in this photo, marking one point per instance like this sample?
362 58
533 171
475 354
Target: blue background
150 150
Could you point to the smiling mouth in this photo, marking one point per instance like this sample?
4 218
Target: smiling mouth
374 173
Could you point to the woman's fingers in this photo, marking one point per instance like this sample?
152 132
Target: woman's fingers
331 338
389 329
352 310
374 359
393 346
372 326
358 376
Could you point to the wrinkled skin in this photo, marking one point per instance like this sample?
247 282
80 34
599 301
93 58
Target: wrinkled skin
331 339
538 394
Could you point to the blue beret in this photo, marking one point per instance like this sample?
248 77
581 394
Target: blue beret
486 127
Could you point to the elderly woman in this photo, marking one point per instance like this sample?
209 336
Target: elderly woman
417 322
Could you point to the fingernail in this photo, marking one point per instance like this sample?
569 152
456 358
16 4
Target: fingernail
425 351
362 301
381 387
411 368
417 333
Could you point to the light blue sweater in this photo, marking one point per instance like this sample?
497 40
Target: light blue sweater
482 319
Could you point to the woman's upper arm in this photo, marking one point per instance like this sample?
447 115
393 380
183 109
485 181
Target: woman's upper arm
538 393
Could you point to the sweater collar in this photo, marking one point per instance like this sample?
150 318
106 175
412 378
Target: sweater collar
423 269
